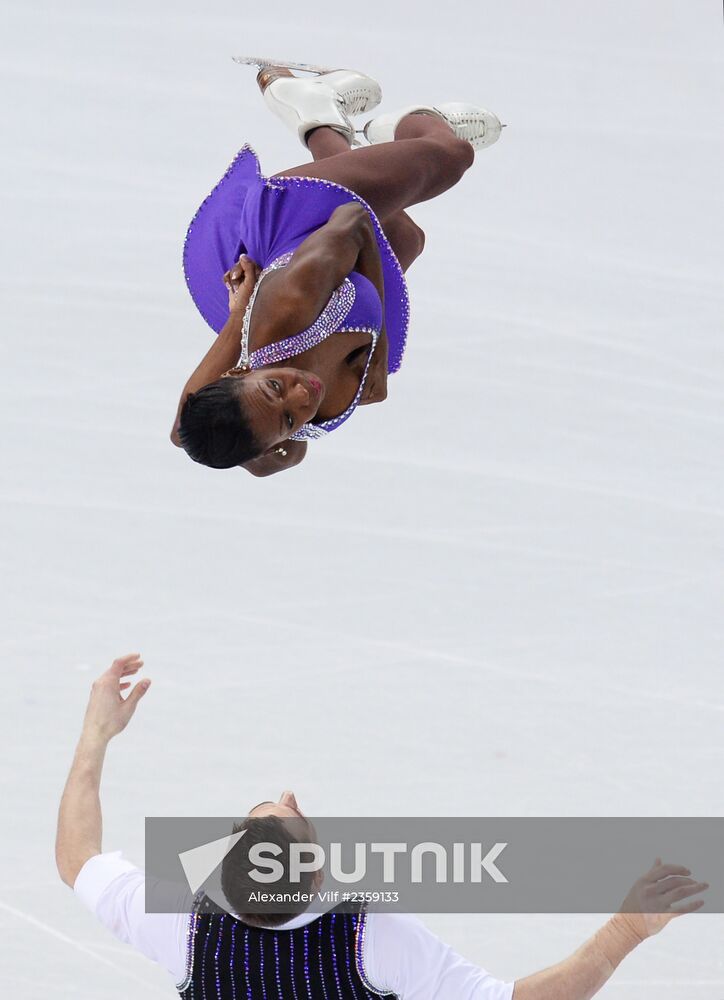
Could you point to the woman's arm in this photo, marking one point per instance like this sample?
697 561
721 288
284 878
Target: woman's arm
319 265
347 243
226 348
582 975
369 262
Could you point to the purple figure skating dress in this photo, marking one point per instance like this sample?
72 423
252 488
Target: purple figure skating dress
267 218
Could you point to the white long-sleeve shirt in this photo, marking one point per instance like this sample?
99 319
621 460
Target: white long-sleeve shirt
400 954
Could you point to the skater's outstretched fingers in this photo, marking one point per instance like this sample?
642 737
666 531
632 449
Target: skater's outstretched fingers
108 712
683 889
649 906
680 911
127 664
659 870
667 885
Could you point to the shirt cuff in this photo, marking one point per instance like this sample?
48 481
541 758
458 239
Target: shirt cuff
97 874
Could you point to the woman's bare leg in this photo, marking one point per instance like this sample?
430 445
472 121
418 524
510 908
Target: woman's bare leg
425 160
324 142
405 236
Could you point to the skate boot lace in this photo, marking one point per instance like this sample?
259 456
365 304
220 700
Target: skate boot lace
468 126
356 99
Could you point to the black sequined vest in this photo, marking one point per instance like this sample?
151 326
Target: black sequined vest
230 960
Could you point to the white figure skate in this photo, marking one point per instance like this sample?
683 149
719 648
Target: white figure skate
477 126
327 97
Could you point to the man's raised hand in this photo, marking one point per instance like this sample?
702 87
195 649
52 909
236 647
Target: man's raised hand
660 895
108 712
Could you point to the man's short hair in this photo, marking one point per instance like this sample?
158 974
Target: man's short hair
237 883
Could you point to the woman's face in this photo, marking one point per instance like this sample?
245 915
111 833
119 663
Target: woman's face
278 401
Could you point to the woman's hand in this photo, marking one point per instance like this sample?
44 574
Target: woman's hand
240 281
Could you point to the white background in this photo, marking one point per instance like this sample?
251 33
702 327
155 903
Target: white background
499 593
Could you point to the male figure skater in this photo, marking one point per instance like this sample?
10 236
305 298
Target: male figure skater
332 956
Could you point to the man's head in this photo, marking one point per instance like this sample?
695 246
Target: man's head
281 824
286 806
242 416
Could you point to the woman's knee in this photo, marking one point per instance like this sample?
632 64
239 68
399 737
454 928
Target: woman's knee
415 237
416 243
449 156
462 154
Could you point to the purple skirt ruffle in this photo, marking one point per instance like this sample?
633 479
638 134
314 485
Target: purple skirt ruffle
264 218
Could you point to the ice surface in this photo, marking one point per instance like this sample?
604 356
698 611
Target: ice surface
500 592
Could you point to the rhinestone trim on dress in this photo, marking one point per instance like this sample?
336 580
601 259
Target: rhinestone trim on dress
327 323
383 243
333 314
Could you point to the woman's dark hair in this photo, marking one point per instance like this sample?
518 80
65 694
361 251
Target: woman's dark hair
237 884
213 427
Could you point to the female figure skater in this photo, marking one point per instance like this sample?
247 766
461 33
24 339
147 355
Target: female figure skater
302 274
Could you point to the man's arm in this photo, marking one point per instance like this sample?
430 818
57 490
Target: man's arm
402 956
80 822
583 974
